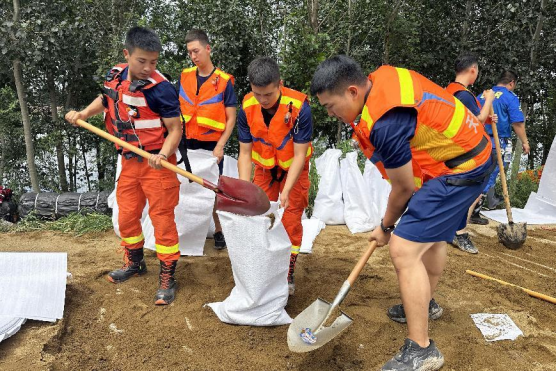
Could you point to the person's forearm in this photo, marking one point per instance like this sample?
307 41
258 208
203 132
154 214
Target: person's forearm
294 172
398 200
244 165
229 128
485 111
172 140
520 130
94 108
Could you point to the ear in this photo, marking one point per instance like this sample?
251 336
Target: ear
353 91
126 54
281 83
208 48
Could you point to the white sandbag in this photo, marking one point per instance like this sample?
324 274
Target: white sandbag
260 257
312 228
328 205
230 169
358 211
379 190
194 210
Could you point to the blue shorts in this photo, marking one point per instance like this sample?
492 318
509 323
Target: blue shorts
438 210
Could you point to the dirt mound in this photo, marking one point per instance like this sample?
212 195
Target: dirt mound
117 327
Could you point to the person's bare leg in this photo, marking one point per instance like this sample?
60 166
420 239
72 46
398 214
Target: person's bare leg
434 260
470 211
414 284
218 227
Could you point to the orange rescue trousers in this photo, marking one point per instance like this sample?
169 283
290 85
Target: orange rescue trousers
297 202
138 183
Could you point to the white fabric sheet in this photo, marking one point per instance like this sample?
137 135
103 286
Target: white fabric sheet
329 206
359 213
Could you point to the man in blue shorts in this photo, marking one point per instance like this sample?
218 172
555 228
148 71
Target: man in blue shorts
507 108
208 105
467 69
438 158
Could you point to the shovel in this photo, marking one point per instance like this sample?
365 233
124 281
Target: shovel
309 330
233 195
511 235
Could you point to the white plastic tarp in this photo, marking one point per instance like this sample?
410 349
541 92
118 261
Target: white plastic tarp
33 285
358 210
329 206
194 210
312 228
540 208
260 255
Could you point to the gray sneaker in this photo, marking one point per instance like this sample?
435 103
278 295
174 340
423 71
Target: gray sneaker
413 357
396 312
463 242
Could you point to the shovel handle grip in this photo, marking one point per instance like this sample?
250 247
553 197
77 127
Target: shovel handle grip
528 291
502 170
362 263
142 153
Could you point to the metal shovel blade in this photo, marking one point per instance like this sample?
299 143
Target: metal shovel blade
312 318
240 197
512 235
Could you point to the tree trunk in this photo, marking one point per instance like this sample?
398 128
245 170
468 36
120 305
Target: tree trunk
84 156
2 158
29 145
58 144
71 165
313 9
100 163
465 30
386 40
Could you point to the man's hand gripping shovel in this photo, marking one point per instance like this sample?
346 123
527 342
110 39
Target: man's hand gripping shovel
233 195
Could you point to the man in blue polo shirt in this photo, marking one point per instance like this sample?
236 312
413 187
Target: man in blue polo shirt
507 108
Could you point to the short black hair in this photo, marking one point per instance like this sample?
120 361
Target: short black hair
263 71
142 38
507 76
197 35
335 74
465 61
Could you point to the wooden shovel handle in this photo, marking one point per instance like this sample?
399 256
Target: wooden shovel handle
142 153
528 291
502 170
362 262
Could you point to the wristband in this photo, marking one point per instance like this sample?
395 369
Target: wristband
163 155
388 229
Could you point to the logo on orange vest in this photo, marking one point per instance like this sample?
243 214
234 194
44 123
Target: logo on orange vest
471 123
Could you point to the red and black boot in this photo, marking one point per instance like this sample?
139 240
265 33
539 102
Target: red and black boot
291 285
167 284
134 265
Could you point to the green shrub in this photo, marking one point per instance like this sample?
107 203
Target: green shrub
75 224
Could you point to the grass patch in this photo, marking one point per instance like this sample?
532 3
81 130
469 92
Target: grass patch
75 224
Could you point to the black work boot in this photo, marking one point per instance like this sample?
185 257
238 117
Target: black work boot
476 218
412 357
397 314
291 285
220 242
167 284
134 265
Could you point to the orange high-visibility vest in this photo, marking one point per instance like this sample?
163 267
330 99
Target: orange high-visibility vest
127 115
203 114
448 139
455 87
274 145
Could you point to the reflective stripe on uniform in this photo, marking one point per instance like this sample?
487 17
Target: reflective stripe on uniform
134 239
456 121
367 118
186 118
186 70
161 249
212 123
295 102
250 102
147 124
222 74
270 162
406 86
134 101
286 164
295 250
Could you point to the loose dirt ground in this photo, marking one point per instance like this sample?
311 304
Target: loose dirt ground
117 327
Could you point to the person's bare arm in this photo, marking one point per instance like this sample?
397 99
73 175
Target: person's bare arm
520 130
244 161
174 127
485 112
92 109
300 152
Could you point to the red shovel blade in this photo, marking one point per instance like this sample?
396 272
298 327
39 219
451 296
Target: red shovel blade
241 197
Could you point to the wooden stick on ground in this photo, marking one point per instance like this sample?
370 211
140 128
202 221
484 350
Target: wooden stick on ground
528 291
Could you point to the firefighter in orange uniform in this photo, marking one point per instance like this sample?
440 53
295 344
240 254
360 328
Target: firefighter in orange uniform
208 104
274 131
437 157
141 107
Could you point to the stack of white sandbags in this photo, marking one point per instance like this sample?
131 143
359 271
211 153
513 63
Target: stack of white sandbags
259 251
329 207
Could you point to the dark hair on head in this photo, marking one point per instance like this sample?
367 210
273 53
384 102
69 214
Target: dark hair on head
335 74
465 61
507 76
142 38
197 35
263 71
